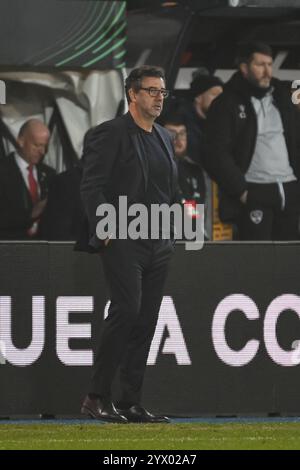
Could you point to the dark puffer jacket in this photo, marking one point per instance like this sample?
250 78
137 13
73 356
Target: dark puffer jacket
231 135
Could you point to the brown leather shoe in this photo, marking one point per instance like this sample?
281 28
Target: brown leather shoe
138 414
102 410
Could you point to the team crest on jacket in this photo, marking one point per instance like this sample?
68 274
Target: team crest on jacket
242 113
256 216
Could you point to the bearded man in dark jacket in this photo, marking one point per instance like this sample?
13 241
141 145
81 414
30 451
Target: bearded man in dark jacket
253 150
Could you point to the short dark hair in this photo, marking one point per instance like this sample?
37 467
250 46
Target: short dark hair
202 83
174 119
134 79
246 51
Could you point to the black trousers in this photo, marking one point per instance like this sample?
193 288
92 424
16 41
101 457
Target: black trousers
136 271
271 212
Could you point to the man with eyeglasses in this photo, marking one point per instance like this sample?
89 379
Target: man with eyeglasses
128 156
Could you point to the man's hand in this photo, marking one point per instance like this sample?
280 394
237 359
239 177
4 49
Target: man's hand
244 197
38 209
106 241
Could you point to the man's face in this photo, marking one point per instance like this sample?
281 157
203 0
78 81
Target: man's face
178 133
205 100
150 106
259 71
33 146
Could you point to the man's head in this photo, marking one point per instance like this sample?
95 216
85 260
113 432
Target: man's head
146 91
205 89
33 139
175 125
256 63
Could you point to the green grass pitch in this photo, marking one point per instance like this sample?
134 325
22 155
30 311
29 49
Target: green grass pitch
195 436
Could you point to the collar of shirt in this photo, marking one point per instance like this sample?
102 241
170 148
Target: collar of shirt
23 167
263 105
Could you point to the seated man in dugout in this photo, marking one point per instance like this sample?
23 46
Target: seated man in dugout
24 183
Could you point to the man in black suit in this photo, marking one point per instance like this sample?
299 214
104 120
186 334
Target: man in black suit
23 184
133 157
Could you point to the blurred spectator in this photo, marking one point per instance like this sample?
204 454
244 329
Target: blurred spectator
204 90
190 175
63 217
253 150
24 183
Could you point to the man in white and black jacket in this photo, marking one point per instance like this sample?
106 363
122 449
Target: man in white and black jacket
253 150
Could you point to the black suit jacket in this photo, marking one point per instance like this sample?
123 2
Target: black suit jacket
15 200
114 165
63 216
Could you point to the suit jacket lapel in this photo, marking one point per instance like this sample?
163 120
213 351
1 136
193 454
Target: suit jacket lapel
167 145
41 182
138 146
20 181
